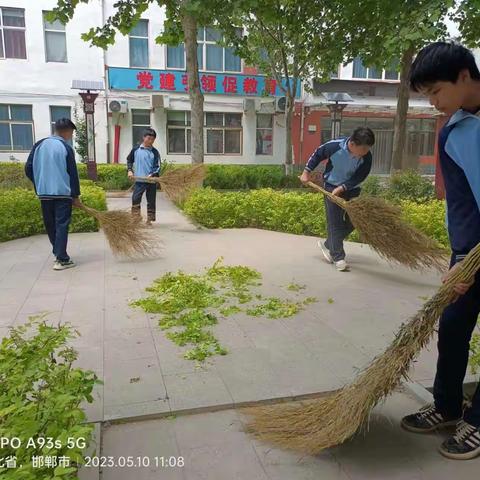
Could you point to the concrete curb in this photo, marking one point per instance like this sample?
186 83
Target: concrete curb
94 450
216 408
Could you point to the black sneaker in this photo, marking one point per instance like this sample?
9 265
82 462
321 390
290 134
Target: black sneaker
427 420
464 445
63 265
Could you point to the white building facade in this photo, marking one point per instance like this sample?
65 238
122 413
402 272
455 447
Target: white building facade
38 61
244 122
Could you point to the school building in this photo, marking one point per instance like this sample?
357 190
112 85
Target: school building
145 85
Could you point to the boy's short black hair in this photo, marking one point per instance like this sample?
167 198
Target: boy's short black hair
441 62
363 136
150 132
64 124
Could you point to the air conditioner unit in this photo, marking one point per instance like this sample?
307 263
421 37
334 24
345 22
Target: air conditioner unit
248 105
118 106
280 104
160 101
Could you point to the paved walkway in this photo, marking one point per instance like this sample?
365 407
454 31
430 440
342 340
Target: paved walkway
212 446
316 351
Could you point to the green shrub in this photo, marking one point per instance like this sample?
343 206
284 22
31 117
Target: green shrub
12 175
110 177
239 177
20 212
40 397
373 186
410 185
474 360
429 217
292 212
265 208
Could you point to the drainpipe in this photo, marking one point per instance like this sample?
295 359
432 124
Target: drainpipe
302 120
116 144
104 76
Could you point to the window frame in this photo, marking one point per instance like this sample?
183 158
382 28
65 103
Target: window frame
223 129
367 73
139 124
2 33
186 127
147 38
52 121
203 42
257 128
45 30
11 122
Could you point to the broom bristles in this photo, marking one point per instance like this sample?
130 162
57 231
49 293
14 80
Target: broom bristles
319 424
127 235
180 182
380 225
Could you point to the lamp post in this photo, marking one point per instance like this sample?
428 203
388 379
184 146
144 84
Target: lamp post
336 104
88 98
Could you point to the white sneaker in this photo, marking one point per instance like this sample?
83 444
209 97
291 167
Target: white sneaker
342 266
58 265
325 252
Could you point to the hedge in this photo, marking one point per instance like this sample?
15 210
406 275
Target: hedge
293 212
405 185
237 177
20 213
221 177
110 177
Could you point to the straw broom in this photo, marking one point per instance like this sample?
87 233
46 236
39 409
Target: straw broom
178 183
331 420
127 235
381 226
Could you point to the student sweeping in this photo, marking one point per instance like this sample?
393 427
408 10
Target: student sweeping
447 74
144 159
52 169
349 162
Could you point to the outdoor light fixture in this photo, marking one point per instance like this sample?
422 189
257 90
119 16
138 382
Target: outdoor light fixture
337 101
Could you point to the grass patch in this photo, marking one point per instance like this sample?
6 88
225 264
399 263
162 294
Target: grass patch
189 304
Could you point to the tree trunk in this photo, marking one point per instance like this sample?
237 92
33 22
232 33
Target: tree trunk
189 26
289 108
400 129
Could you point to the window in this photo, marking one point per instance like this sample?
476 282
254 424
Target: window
211 57
138 41
224 133
12 33
140 121
176 56
420 136
264 134
16 127
361 71
55 40
179 134
59 112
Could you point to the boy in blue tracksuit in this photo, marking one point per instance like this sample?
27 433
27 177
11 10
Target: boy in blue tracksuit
349 162
447 74
144 160
52 169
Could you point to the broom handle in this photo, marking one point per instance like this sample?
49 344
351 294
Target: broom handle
147 179
339 201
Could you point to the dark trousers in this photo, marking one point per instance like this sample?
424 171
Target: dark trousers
455 330
56 218
151 194
339 226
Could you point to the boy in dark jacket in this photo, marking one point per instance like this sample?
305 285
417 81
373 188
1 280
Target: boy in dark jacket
349 162
144 159
447 74
52 169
